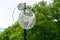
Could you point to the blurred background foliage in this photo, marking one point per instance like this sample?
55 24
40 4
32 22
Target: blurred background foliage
47 25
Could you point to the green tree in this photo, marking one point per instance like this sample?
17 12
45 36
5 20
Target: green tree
46 27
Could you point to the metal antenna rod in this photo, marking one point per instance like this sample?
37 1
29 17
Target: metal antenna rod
24 29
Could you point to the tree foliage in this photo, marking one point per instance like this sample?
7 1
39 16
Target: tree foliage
46 27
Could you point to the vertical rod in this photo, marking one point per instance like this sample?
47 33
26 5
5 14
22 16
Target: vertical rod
24 29
24 34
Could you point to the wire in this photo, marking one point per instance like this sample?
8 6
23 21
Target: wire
13 14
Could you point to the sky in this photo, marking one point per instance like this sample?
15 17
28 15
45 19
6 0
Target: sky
6 10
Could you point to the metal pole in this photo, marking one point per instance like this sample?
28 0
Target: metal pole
24 34
24 29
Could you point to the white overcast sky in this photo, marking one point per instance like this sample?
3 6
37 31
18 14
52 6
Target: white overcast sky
6 9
